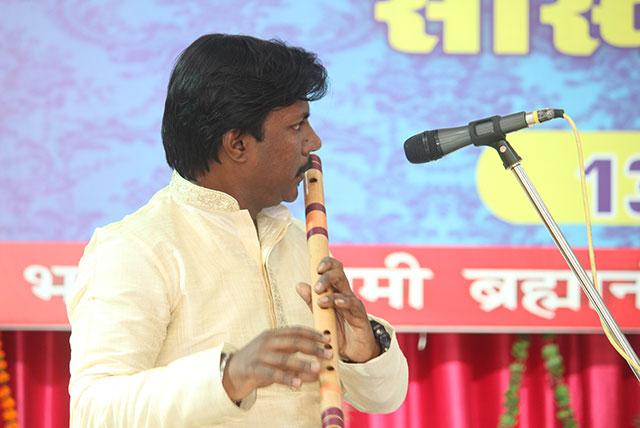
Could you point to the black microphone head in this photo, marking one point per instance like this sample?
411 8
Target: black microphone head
422 148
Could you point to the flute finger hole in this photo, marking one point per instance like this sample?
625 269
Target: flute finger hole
327 332
330 368
313 180
327 346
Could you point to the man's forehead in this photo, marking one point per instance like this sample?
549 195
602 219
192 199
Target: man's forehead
299 109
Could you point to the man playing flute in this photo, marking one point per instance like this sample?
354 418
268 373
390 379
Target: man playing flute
194 311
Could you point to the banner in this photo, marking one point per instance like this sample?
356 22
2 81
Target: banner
452 289
451 245
81 143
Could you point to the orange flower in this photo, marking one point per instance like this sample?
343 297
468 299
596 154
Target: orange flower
8 403
10 415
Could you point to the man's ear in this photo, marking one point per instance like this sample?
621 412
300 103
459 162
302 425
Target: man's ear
235 144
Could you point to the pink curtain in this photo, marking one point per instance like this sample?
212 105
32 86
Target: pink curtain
39 370
457 381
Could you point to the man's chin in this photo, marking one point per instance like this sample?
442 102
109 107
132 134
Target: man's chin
292 196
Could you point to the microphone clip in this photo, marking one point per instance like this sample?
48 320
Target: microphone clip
495 138
489 137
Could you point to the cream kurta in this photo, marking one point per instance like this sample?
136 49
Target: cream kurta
160 293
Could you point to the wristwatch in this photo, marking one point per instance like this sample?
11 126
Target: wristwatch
381 335
224 359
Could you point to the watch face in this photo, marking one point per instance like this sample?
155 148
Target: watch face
380 333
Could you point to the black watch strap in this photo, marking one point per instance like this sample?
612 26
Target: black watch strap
381 335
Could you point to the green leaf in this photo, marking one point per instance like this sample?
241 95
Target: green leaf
550 350
507 421
516 368
562 395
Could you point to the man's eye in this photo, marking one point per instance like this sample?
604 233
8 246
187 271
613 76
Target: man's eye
298 125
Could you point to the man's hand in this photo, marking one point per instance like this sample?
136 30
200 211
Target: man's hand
355 336
271 358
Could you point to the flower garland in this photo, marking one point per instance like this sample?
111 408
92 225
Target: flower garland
555 367
7 403
520 352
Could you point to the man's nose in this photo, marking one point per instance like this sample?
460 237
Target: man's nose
312 143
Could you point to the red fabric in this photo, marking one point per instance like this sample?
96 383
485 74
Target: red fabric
458 381
39 370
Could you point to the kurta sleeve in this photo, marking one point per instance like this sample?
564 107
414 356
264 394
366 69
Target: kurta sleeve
119 310
379 385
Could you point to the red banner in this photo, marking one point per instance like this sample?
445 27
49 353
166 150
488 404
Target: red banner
34 276
483 289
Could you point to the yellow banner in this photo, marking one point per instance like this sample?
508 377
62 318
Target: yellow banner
570 21
550 158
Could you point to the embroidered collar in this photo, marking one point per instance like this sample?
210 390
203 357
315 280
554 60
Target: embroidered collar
201 197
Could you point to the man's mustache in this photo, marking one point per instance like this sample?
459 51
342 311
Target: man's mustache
304 168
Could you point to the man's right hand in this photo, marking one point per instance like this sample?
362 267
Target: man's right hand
271 358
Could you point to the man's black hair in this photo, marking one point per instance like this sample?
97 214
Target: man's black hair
223 82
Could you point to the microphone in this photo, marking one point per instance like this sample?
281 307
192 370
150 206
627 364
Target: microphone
432 145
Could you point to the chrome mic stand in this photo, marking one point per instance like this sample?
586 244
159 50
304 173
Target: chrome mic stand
511 160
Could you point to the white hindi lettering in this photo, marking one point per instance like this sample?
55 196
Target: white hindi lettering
539 292
388 282
41 279
622 283
494 288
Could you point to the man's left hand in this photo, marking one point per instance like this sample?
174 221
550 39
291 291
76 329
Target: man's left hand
355 336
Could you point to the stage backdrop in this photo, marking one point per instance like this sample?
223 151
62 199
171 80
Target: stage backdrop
451 245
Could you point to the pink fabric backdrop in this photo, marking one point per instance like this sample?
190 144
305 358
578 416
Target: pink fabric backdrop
456 382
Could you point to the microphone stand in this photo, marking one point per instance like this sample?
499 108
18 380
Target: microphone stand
511 160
